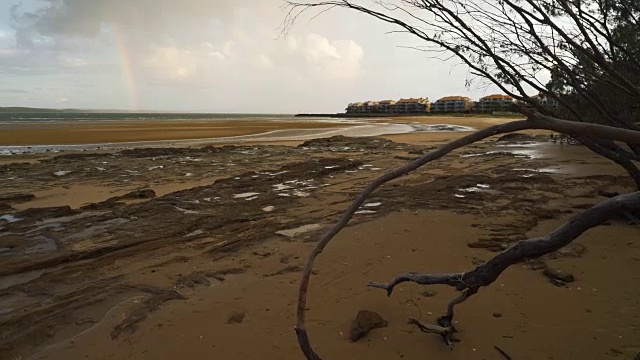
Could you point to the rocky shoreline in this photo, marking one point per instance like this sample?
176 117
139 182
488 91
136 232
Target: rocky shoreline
161 247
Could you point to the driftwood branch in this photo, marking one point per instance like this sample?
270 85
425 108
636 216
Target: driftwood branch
488 272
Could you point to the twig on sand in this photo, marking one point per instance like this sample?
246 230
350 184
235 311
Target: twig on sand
503 353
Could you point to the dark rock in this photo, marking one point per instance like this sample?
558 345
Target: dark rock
537 264
76 157
429 293
192 281
418 152
85 321
4 207
477 261
608 194
349 142
490 245
571 250
103 205
517 137
558 283
555 273
236 318
497 315
16 197
138 194
158 297
287 270
614 352
582 206
47 212
286 258
364 322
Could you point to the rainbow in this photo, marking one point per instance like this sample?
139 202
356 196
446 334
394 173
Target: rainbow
126 65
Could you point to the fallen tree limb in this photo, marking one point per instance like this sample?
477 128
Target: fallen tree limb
301 332
488 272
483 275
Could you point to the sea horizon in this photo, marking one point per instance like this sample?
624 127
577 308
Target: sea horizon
10 117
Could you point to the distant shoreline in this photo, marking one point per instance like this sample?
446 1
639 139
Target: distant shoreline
401 115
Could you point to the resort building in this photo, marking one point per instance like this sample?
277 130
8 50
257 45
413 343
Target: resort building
453 104
413 106
386 106
355 108
546 101
495 102
370 107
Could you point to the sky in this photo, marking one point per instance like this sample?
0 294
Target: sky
227 56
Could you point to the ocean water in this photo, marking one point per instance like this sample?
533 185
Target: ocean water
48 117
352 127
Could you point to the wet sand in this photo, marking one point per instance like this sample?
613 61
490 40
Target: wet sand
224 131
67 133
168 273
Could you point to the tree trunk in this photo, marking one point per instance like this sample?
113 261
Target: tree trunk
614 153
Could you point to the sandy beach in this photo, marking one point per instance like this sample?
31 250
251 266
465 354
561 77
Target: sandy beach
68 133
197 251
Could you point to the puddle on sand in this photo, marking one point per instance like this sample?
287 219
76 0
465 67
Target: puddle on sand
439 127
185 211
364 212
375 204
44 244
299 230
194 233
484 188
518 153
280 187
548 170
301 194
25 277
10 218
268 208
459 196
471 189
245 195
56 224
89 232
61 173
34 245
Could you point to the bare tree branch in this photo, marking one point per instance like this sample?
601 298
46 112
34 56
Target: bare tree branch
583 45
465 280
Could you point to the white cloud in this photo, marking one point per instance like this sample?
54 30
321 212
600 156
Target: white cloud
292 43
171 62
72 61
225 50
340 59
263 61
